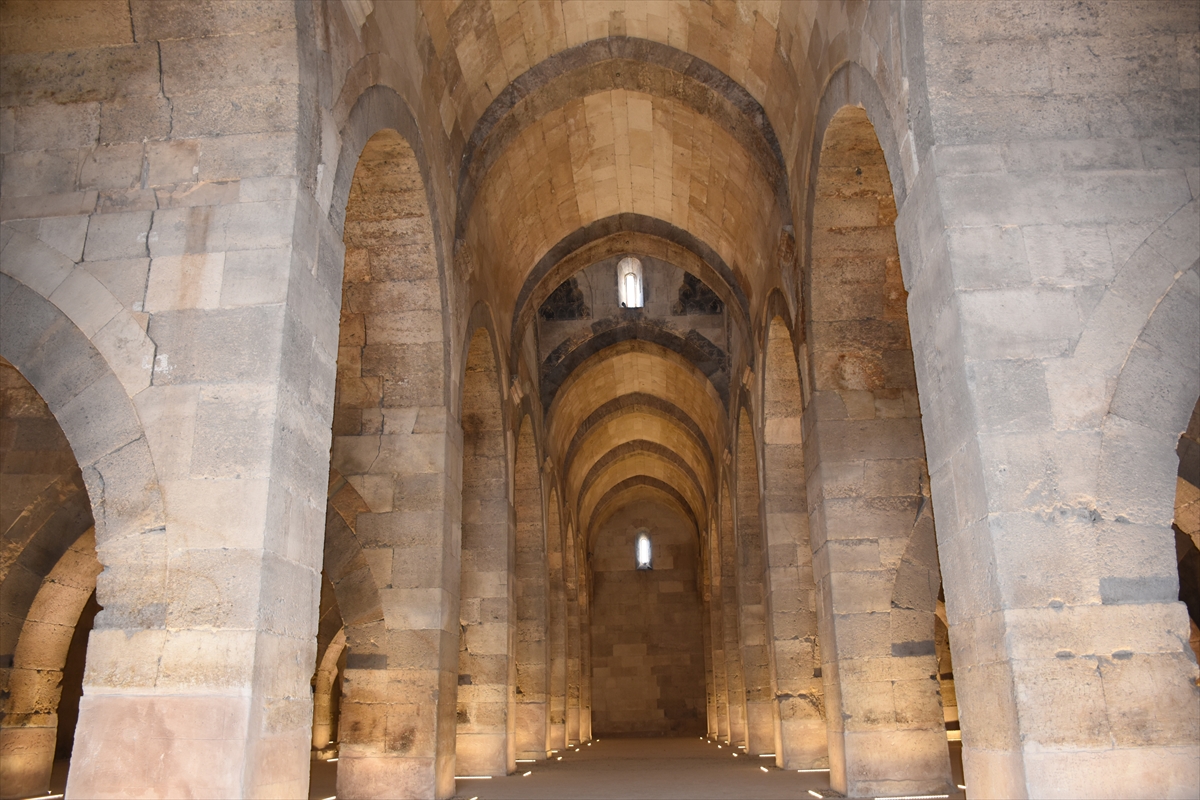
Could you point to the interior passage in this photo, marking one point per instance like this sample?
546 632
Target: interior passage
659 768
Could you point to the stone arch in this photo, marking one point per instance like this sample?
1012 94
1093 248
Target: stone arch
346 567
628 63
1152 402
620 233
793 592
867 481
532 598
392 437
99 420
379 108
486 740
34 687
1141 458
326 692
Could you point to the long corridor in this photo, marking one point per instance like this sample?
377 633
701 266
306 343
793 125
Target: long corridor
658 768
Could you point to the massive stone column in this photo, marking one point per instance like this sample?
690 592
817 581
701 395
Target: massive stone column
574 645
486 741
735 685
757 653
1049 246
398 451
195 273
557 634
866 485
716 621
532 598
792 599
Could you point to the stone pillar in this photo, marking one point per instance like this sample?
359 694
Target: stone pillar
710 695
574 649
400 450
485 744
585 671
792 590
557 634
532 653
574 673
761 710
1051 269
716 621
734 677
866 501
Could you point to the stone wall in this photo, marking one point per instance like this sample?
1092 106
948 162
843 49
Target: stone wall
647 661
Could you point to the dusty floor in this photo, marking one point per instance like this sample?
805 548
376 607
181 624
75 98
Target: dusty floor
616 769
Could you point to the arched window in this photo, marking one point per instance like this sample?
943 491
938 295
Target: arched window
629 282
643 550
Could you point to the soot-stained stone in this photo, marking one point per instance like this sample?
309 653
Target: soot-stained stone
565 303
696 298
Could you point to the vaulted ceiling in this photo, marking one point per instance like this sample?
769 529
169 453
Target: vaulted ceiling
589 130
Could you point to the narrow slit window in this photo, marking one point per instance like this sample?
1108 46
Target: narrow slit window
629 282
643 551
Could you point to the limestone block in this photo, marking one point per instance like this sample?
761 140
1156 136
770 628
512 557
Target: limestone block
1071 254
85 300
1112 196
243 226
119 660
413 608
1042 470
243 110
417 452
1009 395
255 277
182 282
49 126
200 732
128 351
215 513
1144 459
125 279
851 555
117 236
213 660
1147 771
1020 323
865 635
226 333
1038 556
172 162
104 398
247 59
88 75
134 118
214 588
112 168
234 431
254 155
38 172
1145 698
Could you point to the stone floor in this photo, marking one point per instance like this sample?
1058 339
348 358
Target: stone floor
611 768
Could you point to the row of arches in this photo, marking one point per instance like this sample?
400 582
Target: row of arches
457 589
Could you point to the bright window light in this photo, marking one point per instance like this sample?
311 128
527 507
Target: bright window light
629 282
643 551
